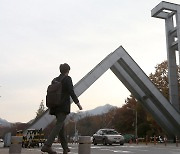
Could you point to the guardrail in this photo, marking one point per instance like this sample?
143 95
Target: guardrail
156 140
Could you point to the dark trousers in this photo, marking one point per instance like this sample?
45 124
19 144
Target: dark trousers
59 131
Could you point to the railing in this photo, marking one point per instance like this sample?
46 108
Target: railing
157 140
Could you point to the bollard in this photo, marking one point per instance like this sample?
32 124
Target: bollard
130 141
146 140
16 145
7 140
84 145
176 141
137 141
154 139
165 140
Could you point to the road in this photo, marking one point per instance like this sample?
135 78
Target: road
116 149
135 149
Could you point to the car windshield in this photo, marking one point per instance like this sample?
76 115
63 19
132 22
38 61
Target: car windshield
110 132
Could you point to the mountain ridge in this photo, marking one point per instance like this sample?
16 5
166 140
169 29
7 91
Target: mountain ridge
100 109
4 123
93 112
96 111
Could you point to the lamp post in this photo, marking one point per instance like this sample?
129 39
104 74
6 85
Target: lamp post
134 110
75 129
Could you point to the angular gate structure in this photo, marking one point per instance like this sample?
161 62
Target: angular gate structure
171 14
137 82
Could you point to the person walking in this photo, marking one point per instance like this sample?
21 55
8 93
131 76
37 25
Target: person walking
61 111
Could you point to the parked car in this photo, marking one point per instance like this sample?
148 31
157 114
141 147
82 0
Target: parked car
107 136
128 138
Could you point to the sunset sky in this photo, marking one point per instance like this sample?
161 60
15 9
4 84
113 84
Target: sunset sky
38 35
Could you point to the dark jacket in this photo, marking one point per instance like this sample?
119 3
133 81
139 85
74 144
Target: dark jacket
67 92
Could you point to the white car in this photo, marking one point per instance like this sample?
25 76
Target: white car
107 136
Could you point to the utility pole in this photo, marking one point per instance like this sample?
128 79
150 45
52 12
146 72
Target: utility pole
134 110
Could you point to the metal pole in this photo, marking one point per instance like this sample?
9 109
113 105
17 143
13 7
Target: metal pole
136 129
74 128
136 125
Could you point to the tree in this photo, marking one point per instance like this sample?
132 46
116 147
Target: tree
41 109
160 78
124 118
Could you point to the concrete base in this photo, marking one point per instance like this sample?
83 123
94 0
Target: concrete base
15 149
7 140
84 145
16 145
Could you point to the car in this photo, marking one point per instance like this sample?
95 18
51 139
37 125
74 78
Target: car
129 137
107 136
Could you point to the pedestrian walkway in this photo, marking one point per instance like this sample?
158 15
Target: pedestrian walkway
100 149
24 151
37 150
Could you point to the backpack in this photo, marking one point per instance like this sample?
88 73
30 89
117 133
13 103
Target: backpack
54 92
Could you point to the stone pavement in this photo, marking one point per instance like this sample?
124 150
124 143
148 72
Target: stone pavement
24 151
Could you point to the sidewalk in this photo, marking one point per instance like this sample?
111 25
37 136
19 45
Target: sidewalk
24 151
37 150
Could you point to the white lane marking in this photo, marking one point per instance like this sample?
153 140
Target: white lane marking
95 147
117 151
123 152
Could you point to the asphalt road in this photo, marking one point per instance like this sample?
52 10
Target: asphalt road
135 149
115 149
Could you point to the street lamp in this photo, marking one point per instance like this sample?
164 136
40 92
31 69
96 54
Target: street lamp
75 129
135 119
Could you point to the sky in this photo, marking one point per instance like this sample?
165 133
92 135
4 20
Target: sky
36 36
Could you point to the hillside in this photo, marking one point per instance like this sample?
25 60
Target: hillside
96 111
4 123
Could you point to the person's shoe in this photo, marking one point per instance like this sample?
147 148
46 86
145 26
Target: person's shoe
66 151
48 149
